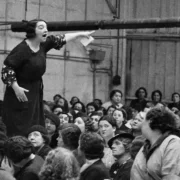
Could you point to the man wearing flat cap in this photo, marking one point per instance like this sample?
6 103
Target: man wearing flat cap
120 146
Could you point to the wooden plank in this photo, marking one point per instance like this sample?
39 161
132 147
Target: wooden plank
170 69
152 67
177 68
135 66
160 66
128 66
144 64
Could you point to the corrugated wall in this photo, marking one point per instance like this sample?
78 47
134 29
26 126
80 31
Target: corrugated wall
154 64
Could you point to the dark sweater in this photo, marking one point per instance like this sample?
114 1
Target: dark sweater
121 172
43 152
97 171
31 170
138 105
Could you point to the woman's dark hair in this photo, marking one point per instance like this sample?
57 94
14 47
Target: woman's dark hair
30 28
83 106
57 95
162 119
137 92
70 134
113 92
92 145
154 92
71 101
57 106
65 107
103 110
123 112
18 148
112 106
65 114
87 121
99 102
109 119
92 104
175 93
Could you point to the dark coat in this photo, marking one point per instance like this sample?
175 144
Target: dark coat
43 152
121 172
97 171
31 170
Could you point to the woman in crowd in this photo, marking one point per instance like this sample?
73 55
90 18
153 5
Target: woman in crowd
83 122
101 111
64 118
57 109
120 116
22 73
98 102
91 144
74 100
156 97
107 128
91 107
52 123
64 104
39 138
21 152
160 156
175 106
60 164
56 98
120 145
95 119
110 110
140 103
69 138
115 99
79 107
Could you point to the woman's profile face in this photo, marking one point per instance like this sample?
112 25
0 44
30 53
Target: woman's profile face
80 123
41 31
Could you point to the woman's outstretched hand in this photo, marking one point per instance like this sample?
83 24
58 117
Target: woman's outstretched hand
86 34
20 92
72 36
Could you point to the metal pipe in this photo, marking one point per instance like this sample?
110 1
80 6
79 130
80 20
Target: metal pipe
104 24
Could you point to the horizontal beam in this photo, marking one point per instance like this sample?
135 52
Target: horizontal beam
104 24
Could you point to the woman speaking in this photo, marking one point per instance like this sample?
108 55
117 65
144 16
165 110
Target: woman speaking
22 73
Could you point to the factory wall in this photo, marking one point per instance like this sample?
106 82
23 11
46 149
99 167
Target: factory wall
143 60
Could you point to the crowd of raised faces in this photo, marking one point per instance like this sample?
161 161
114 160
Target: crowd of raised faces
98 141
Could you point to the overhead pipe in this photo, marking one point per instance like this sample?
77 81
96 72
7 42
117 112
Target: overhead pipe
103 24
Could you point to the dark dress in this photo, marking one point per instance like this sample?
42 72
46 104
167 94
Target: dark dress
138 105
43 152
176 105
27 68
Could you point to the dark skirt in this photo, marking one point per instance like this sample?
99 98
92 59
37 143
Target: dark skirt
20 116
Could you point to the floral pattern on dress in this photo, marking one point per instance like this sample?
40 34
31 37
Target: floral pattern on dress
59 41
8 75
